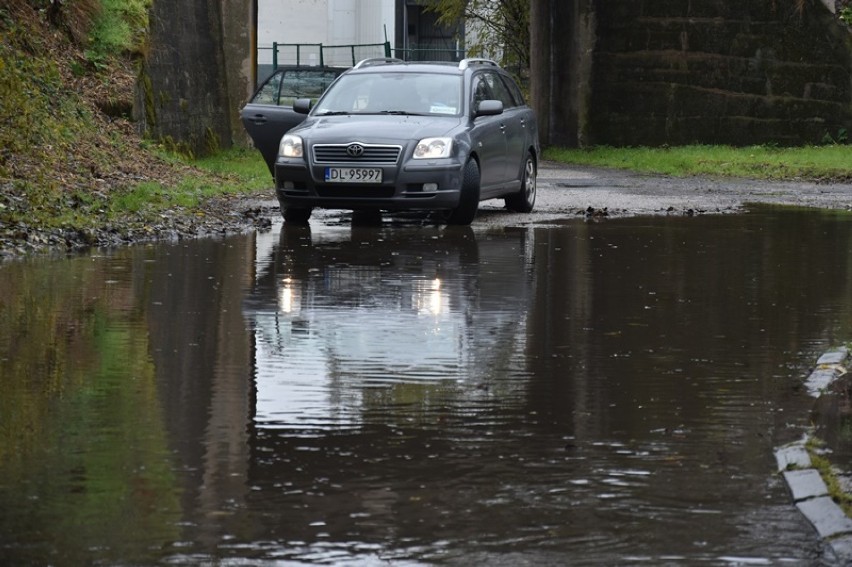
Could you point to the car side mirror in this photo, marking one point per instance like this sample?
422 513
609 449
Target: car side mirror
303 105
489 108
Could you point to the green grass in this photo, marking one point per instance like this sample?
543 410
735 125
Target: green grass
118 26
830 162
230 172
245 163
829 476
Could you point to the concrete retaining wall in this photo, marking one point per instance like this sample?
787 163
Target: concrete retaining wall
619 72
678 72
196 73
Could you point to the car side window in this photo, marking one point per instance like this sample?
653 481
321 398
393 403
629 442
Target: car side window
268 93
499 90
481 90
304 83
515 90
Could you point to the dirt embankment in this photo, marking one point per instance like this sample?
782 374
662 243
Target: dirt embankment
68 142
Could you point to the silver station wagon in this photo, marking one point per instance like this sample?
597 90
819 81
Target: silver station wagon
395 135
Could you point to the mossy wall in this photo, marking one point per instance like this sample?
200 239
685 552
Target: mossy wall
182 94
715 71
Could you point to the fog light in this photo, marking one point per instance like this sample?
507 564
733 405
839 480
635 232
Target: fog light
428 187
289 185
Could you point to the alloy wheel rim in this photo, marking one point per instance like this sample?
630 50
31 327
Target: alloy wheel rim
530 180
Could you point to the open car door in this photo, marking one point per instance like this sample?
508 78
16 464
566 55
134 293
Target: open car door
269 113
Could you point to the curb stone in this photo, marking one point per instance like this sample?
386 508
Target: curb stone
806 486
826 516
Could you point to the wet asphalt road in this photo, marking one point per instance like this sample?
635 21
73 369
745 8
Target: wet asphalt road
572 190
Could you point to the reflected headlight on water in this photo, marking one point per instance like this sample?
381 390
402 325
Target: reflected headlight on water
427 296
289 297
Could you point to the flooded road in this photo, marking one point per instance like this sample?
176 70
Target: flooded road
578 393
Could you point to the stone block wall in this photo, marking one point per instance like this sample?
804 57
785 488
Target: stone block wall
714 71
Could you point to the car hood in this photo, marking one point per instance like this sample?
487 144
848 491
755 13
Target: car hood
374 128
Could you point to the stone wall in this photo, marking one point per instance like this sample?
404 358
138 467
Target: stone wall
196 73
753 71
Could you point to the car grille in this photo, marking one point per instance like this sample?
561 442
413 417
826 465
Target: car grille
336 153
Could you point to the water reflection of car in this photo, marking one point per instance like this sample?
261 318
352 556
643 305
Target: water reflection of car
269 113
395 135
385 305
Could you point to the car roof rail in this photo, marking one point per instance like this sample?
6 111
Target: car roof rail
469 62
378 61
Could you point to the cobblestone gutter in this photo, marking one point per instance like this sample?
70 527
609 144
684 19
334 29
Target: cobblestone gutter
807 487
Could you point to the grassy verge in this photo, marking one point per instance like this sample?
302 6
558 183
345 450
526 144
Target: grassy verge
186 187
832 163
829 475
236 171
71 159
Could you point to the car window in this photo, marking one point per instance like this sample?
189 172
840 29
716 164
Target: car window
285 86
268 93
381 92
304 83
515 90
441 93
499 91
481 90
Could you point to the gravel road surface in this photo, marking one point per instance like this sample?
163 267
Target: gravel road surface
571 190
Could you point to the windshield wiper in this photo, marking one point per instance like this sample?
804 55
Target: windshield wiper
399 113
333 113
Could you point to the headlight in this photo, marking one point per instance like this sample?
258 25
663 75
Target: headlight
430 148
290 147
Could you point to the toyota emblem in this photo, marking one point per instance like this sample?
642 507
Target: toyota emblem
354 150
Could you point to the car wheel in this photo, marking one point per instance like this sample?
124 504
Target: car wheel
469 198
524 200
296 215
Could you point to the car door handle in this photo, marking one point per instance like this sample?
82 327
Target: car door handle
258 119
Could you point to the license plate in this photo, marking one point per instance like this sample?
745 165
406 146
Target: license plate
353 175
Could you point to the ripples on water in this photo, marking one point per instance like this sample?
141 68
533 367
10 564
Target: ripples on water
572 394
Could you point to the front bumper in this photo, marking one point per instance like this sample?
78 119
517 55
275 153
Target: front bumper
431 185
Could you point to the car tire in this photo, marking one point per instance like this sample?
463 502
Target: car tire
296 215
524 200
464 213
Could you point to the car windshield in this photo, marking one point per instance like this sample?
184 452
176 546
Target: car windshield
393 93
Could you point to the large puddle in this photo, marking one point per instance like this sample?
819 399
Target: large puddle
579 393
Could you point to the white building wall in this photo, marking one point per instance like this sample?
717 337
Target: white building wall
327 22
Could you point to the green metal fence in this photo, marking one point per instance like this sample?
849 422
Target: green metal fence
426 53
304 54
313 54
325 55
